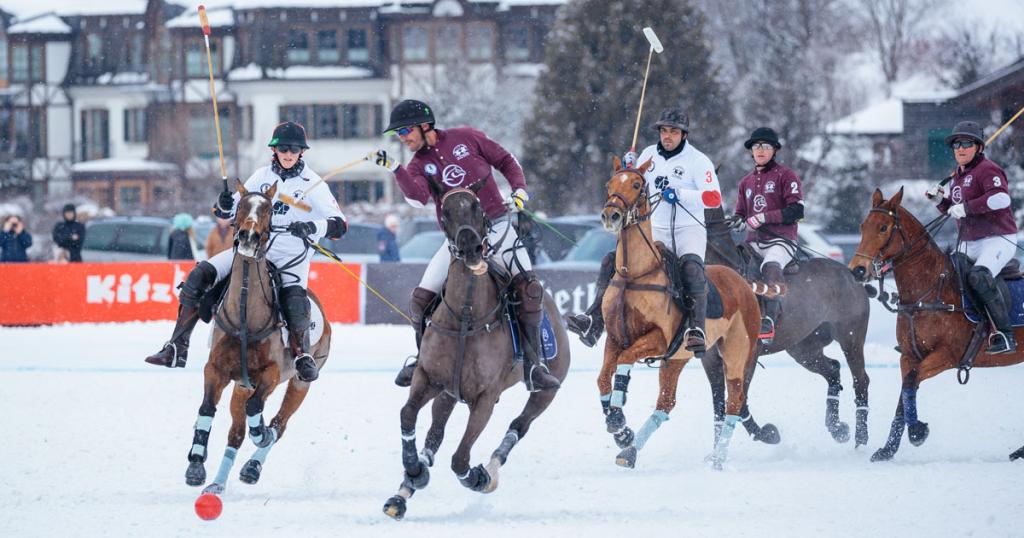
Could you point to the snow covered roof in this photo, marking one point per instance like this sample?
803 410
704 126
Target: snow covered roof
40 24
992 77
299 72
219 17
123 165
259 4
885 117
27 8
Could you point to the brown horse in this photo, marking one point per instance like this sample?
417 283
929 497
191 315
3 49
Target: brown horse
466 354
248 348
642 318
931 327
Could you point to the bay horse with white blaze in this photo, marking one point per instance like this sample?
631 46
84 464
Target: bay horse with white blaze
642 318
249 349
932 330
467 355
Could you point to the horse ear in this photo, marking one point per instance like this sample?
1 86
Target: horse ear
894 202
877 198
240 187
271 191
616 164
647 164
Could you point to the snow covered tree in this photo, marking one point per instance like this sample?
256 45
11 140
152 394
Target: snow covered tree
895 28
587 98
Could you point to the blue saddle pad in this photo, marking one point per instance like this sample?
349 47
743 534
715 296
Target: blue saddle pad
715 308
549 345
976 315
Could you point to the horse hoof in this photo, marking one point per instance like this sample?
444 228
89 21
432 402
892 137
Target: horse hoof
214 488
768 435
421 479
917 433
627 458
883 454
1018 454
624 438
861 437
266 437
840 432
395 507
615 419
250 473
477 479
195 475
716 464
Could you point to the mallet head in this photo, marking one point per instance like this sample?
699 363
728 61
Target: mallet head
653 39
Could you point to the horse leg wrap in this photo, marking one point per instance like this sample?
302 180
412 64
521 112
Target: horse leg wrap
832 406
258 431
410 460
722 446
507 442
653 423
606 402
200 438
226 463
909 397
621 385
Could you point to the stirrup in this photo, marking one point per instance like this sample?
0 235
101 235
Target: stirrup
177 359
700 348
573 324
531 384
998 343
767 336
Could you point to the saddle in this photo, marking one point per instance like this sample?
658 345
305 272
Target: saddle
1009 282
753 259
675 277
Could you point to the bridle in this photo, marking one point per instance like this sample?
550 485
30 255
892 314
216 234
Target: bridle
910 248
482 240
264 236
630 210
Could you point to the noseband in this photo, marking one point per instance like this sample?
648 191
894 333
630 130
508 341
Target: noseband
631 210
263 237
464 227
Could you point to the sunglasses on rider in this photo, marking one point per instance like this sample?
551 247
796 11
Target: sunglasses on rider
963 143
762 145
286 148
403 131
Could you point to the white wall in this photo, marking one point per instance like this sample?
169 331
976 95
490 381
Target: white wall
115 100
58 57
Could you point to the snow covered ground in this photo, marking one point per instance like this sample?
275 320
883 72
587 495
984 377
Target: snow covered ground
96 446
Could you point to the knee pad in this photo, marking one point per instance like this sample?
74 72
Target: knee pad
201 278
692 268
531 296
422 298
980 280
295 307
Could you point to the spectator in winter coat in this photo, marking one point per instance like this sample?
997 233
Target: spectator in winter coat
70 234
179 247
220 239
14 240
387 244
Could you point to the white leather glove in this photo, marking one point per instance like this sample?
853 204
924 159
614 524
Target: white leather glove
957 211
629 159
382 159
517 200
935 193
756 221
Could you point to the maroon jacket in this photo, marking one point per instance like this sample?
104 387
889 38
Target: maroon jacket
973 185
768 191
462 157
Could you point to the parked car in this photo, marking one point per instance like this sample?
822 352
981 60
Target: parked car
118 239
415 226
573 227
811 237
421 247
359 245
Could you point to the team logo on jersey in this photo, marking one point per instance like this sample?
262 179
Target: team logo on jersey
430 168
660 183
769 187
265 187
748 193
453 175
956 195
280 208
967 181
678 172
297 194
760 203
460 152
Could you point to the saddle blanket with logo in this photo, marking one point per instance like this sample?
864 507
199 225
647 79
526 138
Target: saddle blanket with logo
316 326
549 345
976 314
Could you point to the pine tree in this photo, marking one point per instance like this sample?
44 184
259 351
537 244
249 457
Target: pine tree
587 97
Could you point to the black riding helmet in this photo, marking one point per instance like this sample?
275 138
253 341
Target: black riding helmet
289 134
763 134
966 129
408 113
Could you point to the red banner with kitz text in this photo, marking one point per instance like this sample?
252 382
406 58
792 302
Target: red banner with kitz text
43 293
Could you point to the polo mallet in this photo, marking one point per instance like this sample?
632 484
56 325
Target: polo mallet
298 202
990 139
205 23
655 47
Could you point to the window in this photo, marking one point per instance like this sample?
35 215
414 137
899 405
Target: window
3 62
414 43
135 54
358 50
517 44
297 113
28 133
95 135
361 121
448 42
195 59
131 239
36 54
19 63
298 47
940 158
479 42
93 49
201 136
135 125
327 47
244 128
325 121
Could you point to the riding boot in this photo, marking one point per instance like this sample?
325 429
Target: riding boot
529 312
771 274
174 354
295 307
695 287
590 324
1001 339
422 298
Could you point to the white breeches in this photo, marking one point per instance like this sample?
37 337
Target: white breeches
774 252
688 239
284 248
991 252
437 270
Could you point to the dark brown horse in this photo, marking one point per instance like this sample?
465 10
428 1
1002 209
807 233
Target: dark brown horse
254 354
931 327
823 303
466 354
642 318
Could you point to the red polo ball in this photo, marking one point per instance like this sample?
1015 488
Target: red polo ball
208 506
